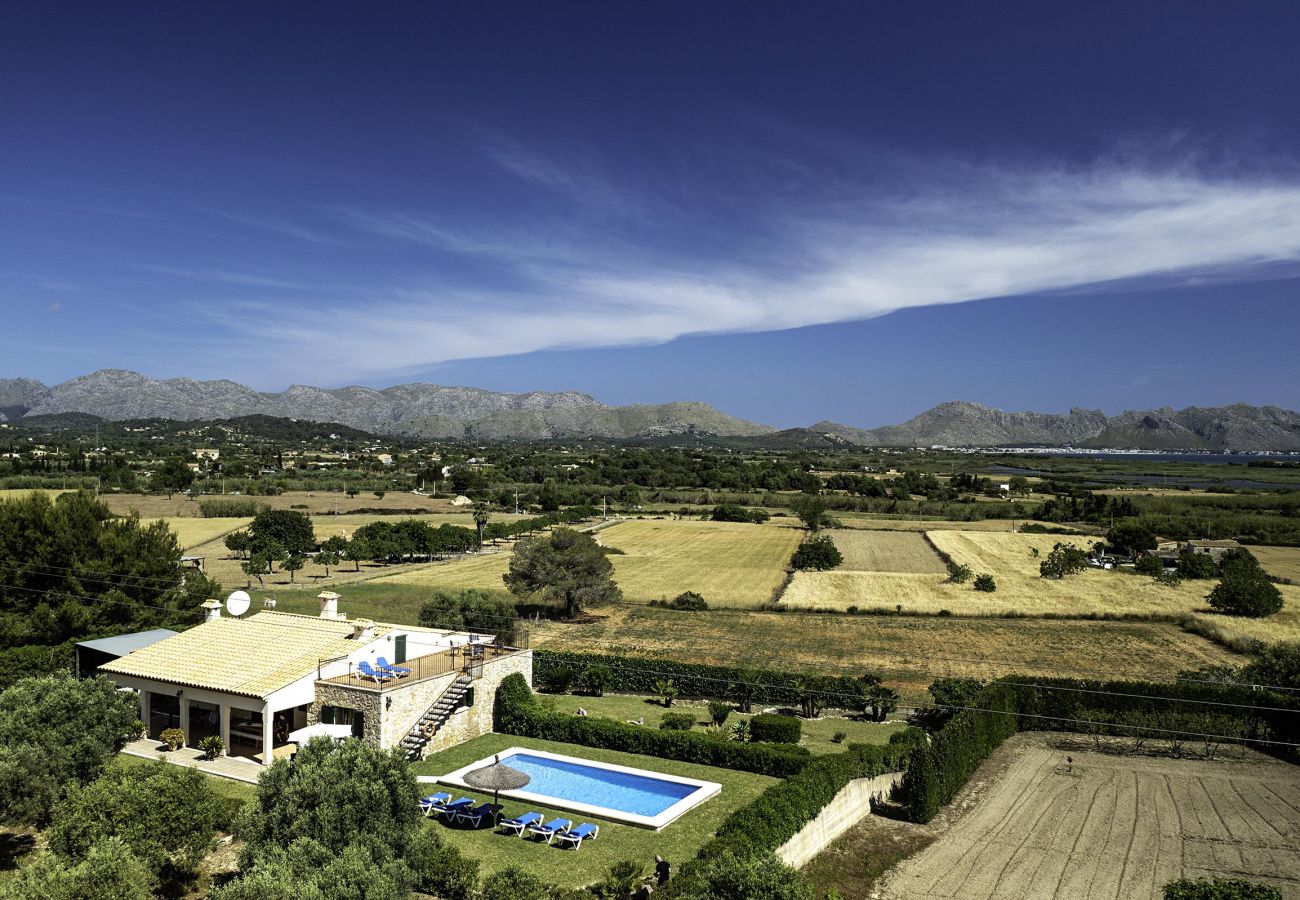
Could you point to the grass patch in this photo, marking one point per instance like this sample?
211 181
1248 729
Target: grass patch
817 733
886 551
677 842
192 533
854 862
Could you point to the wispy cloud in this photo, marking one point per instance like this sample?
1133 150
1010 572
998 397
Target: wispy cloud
987 234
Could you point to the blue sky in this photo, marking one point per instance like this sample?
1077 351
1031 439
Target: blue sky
792 211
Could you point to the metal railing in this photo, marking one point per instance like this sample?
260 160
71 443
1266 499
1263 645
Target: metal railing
469 659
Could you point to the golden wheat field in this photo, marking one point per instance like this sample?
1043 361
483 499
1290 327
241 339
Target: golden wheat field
193 533
18 493
886 551
1284 562
875 521
729 563
1020 589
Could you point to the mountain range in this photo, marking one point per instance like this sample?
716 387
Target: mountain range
437 412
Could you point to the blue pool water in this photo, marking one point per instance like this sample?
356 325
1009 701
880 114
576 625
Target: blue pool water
642 795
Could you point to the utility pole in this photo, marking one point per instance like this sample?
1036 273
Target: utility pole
516 501
603 514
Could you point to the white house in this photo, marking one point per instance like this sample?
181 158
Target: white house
253 680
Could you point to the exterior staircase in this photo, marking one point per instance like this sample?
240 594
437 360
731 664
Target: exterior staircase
435 717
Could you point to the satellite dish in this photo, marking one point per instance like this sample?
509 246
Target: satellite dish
237 603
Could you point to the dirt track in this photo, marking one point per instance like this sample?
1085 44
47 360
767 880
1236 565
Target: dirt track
1111 827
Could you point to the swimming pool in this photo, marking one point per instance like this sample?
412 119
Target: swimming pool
605 790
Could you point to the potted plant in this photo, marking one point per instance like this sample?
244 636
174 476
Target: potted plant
174 738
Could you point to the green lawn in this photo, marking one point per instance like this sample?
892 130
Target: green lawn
817 733
677 842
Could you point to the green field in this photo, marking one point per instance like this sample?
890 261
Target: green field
676 842
817 733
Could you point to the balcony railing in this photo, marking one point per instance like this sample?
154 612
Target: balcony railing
469 659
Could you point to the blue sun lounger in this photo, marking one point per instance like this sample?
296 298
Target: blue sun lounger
366 672
576 836
396 671
551 829
519 823
450 810
433 803
475 816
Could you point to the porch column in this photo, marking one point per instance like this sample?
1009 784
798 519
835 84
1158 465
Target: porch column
144 708
184 704
268 734
225 725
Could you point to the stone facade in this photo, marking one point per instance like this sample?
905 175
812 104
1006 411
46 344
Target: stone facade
850 806
391 713
476 721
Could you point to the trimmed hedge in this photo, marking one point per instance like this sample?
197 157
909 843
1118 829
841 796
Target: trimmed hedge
1235 889
638 676
775 729
938 771
517 712
781 811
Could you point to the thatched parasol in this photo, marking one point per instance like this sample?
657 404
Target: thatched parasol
496 778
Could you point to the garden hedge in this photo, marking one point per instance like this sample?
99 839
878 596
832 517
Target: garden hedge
937 771
1236 889
633 675
775 729
517 712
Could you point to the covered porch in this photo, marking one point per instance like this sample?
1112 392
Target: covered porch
251 730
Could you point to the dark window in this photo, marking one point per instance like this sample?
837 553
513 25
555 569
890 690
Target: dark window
399 649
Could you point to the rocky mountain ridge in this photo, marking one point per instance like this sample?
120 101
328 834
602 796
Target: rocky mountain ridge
439 412
409 410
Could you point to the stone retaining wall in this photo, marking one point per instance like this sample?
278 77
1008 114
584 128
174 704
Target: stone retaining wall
850 806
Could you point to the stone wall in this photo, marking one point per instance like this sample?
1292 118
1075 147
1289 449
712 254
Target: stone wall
850 806
476 721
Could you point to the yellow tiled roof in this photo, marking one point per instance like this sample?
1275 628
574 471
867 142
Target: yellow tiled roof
255 656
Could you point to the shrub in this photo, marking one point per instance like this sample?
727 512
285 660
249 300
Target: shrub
165 814
1203 889
1276 664
909 736
109 870
1065 559
677 721
775 729
689 601
595 679
1169 577
985 583
174 738
212 746
734 512
719 710
517 712
817 554
56 733
513 883
557 680
621 879
838 737
1245 591
666 690
1149 565
1197 565
958 573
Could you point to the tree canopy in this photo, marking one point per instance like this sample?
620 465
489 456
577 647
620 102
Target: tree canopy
56 734
566 566
289 528
70 569
470 610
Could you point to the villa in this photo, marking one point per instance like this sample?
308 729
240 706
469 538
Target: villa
255 680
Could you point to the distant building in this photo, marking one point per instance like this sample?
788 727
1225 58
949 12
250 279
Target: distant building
462 500
1212 548
211 454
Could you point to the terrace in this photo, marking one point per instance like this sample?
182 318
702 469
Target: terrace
469 658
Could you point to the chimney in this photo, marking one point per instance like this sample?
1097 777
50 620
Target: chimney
211 610
329 605
362 629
